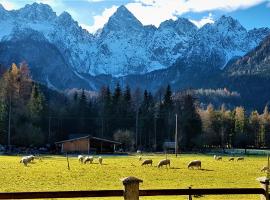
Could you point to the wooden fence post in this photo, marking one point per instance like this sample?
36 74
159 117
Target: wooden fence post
264 182
189 196
131 185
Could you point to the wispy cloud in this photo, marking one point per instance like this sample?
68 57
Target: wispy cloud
95 0
100 20
8 5
156 11
205 20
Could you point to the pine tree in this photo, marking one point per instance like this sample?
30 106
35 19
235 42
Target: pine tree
36 103
265 127
190 122
240 137
166 113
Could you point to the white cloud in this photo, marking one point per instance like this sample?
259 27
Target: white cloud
227 5
205 20
156 11
101 20
87 27
153 12
96 0
8 5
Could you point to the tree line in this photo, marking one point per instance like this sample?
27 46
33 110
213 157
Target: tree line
33 115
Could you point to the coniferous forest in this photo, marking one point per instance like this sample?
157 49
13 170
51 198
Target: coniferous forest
33 115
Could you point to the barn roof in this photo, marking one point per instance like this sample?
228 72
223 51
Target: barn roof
90 138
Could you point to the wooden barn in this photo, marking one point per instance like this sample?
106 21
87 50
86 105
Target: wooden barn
87 144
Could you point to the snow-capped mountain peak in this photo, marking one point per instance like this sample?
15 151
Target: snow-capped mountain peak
65 19
36 12
123 19
227 23
124 46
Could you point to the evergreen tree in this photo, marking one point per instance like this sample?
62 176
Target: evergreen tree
36 103
265 127
254 129
166 114
240 138
190 122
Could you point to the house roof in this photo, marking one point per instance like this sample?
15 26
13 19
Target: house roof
90 138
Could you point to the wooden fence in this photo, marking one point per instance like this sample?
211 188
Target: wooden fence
132 192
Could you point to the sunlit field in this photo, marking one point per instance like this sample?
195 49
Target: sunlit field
51 174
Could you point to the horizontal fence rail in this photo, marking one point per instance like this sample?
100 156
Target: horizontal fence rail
212 191
61 194
120 193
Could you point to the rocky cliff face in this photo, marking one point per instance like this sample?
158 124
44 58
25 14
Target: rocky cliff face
123 49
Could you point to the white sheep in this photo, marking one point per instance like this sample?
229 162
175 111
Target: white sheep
25 160
265 168
31 158
218 158
195 163
231 159
147 162
164 162
240 158
88 159
80 158
100 159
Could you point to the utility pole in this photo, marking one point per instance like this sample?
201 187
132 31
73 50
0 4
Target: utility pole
176 142
137 116
102 126
49 129
155 127
9 124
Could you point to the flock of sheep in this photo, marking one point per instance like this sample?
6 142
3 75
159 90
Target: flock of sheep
89 159
165 162
83 159
230 158
191 165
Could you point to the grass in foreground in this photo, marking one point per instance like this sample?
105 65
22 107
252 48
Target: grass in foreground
51 174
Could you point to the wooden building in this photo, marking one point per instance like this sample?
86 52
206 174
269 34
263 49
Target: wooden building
87 144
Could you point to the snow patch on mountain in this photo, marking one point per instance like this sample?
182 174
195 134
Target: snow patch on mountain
124 46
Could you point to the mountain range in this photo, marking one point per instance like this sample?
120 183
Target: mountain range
62 55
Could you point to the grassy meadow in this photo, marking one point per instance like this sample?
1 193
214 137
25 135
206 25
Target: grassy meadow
51 174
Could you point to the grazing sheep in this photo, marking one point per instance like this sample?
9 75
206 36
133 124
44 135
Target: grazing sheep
195 163
140 158
31 158
147 162
164 162
100 159
265 168
240 158
88 159
217 157
80 158
25 160
231 159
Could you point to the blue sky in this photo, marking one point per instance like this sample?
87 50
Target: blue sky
93 14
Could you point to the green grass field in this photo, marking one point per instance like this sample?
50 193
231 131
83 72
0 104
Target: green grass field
51 174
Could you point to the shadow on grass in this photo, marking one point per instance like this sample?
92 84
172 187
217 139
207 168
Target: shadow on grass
198 196
207 170
174 168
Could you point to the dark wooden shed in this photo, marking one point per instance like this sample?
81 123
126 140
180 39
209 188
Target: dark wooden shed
87 144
